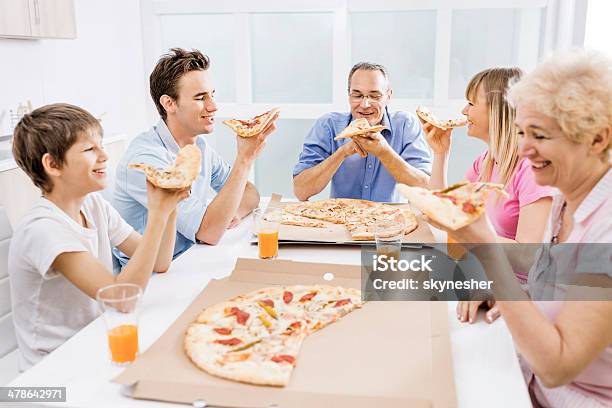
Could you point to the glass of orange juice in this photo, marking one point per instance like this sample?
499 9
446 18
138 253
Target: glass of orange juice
267 223
120 307
454 249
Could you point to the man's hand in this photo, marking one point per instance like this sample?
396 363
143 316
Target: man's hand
372 143
248 148
352 148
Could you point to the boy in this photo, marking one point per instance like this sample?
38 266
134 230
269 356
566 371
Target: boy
60 254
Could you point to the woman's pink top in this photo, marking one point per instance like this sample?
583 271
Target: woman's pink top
592 228
522 189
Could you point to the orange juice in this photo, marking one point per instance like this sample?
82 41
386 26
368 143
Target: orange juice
455 250
268 243
123 343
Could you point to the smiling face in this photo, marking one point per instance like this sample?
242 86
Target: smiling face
555 160
369 95
477 112
84 167
194 109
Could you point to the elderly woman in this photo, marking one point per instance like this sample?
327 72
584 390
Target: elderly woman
564 118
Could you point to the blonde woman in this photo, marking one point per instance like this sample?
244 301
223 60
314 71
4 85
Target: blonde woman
521 217
564 117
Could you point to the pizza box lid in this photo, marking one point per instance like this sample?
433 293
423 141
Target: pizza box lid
386 354
337 234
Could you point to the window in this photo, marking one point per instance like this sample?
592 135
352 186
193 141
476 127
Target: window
297 55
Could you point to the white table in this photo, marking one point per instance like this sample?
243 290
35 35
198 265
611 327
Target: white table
486 370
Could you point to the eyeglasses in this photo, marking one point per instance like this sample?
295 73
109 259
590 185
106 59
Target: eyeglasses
374 98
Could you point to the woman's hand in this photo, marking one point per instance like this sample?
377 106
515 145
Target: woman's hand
438 139
479 232
467 311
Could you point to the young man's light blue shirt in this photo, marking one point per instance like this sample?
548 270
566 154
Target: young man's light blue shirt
158 148
365 178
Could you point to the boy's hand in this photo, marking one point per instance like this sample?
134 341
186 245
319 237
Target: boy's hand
163 201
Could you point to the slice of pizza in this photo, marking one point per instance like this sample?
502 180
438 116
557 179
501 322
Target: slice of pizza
429 117
253 126
181 174
358 127
454 207
296 220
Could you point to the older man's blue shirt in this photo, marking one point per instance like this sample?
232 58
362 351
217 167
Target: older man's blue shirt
365 178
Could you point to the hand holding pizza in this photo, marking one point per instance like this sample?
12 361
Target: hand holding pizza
478 232
250 147
438 139
372 143
163 201
351 148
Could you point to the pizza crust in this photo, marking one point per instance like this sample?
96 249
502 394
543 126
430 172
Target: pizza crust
429 117
358 127
181 174
253 126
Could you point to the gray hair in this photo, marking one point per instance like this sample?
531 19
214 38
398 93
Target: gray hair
368 66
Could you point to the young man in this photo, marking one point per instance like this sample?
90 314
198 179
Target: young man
60 254
183 92
365 167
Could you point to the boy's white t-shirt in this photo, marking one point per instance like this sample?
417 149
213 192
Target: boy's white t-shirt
47 308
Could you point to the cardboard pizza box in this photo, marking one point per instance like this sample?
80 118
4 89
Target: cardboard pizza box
338 233
386 354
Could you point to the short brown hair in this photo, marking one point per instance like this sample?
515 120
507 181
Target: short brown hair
169 70
51 129
368 66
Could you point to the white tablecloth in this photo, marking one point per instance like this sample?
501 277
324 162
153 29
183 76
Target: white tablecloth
486 369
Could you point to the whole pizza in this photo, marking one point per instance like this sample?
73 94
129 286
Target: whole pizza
256 338
359 216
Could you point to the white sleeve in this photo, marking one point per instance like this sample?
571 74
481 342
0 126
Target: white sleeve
50 238
118 229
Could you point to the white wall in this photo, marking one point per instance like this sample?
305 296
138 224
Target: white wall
101 71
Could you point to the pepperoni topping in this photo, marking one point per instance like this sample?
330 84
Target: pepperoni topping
469 208
268 302
295 325
284 358
225 331
287 297
308 297
241 317
229 342
342 302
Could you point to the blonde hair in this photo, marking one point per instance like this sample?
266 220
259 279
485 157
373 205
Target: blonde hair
503 138
575 89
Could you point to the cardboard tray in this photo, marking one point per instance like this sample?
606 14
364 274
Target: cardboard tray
387 354
338 234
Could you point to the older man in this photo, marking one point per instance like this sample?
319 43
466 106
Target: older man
369 166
